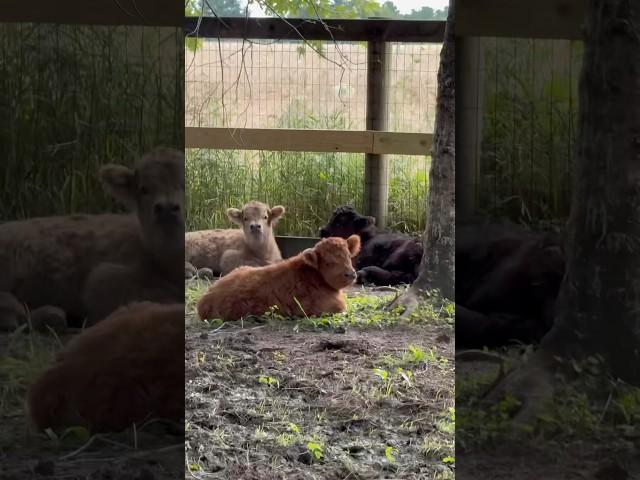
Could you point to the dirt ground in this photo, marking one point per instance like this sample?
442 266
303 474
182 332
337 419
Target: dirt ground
361 395
589 433
154 451
358 395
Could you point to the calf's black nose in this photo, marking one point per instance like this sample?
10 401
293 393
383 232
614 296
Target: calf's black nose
169 208
323 233
351 275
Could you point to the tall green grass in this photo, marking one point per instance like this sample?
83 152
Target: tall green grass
75 97
309 185
529 126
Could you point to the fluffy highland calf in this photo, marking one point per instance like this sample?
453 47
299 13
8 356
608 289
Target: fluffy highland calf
507 282
126 369
154 191
47 261
222 250
386 258
309 283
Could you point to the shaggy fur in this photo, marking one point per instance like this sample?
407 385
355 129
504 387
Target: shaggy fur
46 261
315 278
155 190
253 244
386 258
124 370
507 282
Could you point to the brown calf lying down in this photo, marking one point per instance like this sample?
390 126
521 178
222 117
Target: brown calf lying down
313 280
252 244
125 369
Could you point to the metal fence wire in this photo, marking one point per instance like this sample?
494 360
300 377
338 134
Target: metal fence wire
75 97
290 84
527 117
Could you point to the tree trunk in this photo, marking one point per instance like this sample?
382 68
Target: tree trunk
600 299
599 302
437 268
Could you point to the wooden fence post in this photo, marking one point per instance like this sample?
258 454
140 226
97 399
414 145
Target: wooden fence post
376 175
469 93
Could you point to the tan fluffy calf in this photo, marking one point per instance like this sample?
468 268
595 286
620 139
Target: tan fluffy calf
127 368
253 244
47 260
313 279
154 190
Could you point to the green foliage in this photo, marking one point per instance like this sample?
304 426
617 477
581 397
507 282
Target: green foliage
316 449
87 96
427 13
390 453
356 9
309 185
529 121
269 381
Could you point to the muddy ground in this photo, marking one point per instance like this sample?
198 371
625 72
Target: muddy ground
360 395
154 451
591 430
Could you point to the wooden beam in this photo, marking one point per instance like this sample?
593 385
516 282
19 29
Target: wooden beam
552 19
309 29
169 13
376 166
301 140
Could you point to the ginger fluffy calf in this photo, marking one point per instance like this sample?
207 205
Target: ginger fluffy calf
125 369
314 279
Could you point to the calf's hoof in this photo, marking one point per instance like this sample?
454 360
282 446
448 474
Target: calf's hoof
205 273
12 313
49 317
189 271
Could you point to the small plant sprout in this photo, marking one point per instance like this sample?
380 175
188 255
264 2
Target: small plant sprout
294 428
269 381
391 453
315 449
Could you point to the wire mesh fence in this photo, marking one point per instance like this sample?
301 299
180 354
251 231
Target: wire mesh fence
289 84
528 118
75 97
309 185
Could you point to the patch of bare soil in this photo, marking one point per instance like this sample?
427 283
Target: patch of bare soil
581 437
152 451
274 400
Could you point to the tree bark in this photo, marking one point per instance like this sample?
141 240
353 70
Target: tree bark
600 299
437 267
598 309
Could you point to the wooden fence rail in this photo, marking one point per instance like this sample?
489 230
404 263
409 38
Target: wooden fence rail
301 140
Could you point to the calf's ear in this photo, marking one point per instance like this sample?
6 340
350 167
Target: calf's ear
353 242
310 257
235 215
364 222
121 183
275 213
